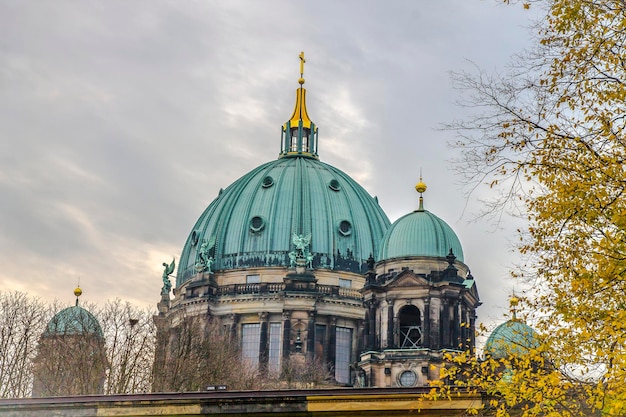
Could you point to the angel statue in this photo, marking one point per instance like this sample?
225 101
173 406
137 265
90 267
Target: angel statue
301 255
205 261
167 285
301 241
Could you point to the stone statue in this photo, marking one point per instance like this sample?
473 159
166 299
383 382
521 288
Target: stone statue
301 241
205 261
167 271
209 263
301 256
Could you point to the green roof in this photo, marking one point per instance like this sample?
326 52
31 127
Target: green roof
252 222
71 321
420 233
511 338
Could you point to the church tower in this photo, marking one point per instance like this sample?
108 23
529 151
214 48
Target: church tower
420 302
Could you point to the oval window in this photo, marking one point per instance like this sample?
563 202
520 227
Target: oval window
194 238
345 228
267 182
257 223
334 185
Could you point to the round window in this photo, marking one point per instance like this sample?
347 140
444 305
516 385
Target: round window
267 182
194 238
408 378
345 228
334 185
257 223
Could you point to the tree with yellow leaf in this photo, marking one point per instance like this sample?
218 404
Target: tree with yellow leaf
550 135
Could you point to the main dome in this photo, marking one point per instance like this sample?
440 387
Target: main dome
252 223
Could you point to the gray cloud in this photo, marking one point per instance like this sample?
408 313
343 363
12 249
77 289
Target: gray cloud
120 121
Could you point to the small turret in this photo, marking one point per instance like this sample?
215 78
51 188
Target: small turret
71 358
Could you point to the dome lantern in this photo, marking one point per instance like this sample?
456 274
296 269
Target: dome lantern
299 134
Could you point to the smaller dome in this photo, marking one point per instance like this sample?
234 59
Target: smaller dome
72 321
511 338
420 233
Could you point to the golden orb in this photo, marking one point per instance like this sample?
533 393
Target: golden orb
420 187
301 81
78 292
514 301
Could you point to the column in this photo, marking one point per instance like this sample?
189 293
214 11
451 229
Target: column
464 328
233 326
360 328
332 342
263 345
456 326
366 328
472 331
286 333
390 327
426 324
445 323
310 336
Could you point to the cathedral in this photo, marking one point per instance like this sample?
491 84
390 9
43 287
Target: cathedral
296 260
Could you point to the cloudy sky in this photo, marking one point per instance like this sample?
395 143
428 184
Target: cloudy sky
121 120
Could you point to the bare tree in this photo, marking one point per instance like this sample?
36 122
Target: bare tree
130 336
22 319
200 354
297 372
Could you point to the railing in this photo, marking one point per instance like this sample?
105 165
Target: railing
273 288
258 288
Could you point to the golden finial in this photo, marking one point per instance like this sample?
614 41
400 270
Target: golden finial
77 292
513 302
302 61
420 187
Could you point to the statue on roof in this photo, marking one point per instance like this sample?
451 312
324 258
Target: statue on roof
301 241
167 271
205 260
302 255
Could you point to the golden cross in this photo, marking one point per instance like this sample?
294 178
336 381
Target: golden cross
302 61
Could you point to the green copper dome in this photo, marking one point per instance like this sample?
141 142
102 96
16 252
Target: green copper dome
511 338
72 321
253 222
420 233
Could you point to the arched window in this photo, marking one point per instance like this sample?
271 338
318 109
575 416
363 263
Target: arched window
305 140
293 146
304 145
410 327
